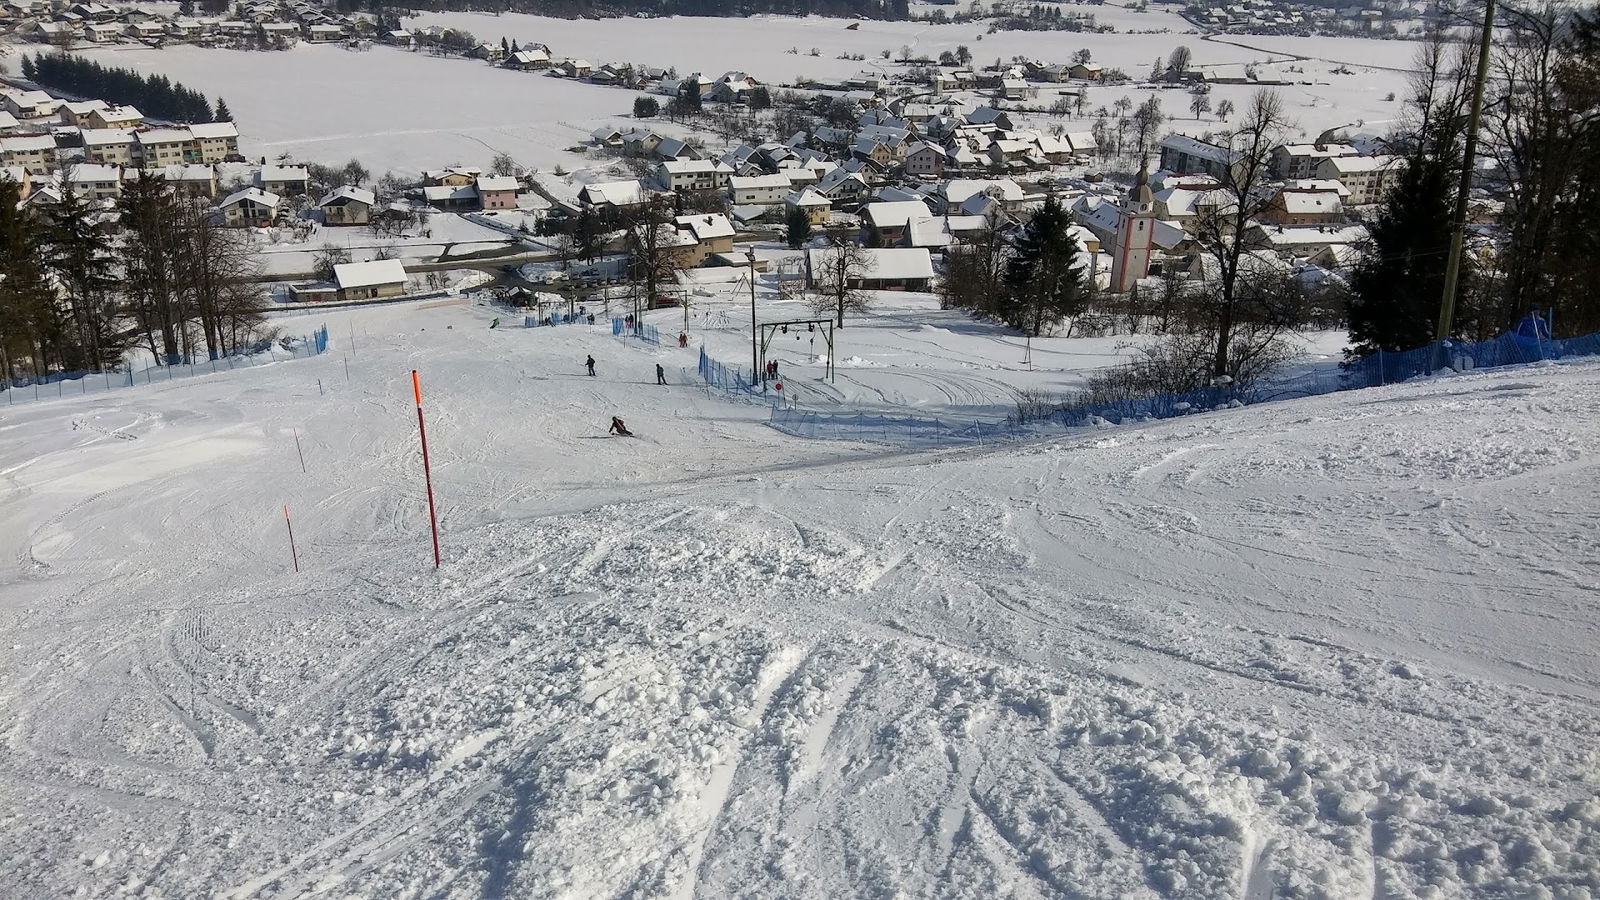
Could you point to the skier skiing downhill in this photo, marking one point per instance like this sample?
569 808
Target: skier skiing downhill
589 363
618 428
661 374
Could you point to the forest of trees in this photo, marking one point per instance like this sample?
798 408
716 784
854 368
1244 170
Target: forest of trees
1541 130
76 293
154 95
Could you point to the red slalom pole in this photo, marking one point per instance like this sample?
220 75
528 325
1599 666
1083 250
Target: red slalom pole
427 470
293 555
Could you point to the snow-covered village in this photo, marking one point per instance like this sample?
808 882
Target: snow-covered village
544 449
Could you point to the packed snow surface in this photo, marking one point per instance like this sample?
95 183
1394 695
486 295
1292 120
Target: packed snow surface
1341 647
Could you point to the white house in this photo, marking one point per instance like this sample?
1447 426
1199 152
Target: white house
93 181
112 146
1367 177
347 206
370 280
36 153
909 268
288 181
613 195
249 208
693 174
759 190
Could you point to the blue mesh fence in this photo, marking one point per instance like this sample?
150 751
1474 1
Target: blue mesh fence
553 319
727 378
1377 369
77 384
646 333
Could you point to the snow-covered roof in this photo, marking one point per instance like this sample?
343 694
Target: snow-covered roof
694 166
369 274
264 198
837 178
436 193
1200 149
28 143
1286 236
758 182
617 193
106 137
894 214
807 197
1354 165
1181 202
283 173
958 190
214 130
349 193
1311 202
498 183
898 263
165 136
929 231
1082 141
706 226
83 172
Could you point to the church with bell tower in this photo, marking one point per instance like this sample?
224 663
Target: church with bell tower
1130 253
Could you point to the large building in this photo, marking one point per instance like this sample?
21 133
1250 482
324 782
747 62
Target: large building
1367 177
1188 156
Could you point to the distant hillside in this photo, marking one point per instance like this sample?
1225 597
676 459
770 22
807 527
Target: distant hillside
872 9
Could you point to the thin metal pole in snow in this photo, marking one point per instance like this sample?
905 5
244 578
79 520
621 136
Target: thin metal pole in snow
347 368
319 387
299 451
294 556
427 469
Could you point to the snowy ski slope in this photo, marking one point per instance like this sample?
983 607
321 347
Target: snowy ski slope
1335 648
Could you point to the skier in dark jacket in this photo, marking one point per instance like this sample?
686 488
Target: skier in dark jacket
618 428
589 362
661 374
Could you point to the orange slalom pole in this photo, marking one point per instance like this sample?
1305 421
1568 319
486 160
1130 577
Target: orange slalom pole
427 469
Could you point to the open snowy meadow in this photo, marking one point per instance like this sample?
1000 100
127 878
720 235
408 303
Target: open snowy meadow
405 111
1336 648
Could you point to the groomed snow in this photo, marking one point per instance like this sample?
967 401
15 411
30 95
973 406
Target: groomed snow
1341 647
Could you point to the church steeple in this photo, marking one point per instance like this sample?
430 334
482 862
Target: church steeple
1135 242
1140 197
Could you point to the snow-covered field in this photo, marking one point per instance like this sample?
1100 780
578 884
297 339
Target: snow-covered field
1337 648
391 109
906 354
406 111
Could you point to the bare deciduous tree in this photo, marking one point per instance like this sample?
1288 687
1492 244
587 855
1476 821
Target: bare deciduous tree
1220 228
837 273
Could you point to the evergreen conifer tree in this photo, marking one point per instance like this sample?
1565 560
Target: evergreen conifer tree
799 225
1044 282
75 253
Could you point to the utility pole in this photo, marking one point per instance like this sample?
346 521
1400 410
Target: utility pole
1458 235
755 358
